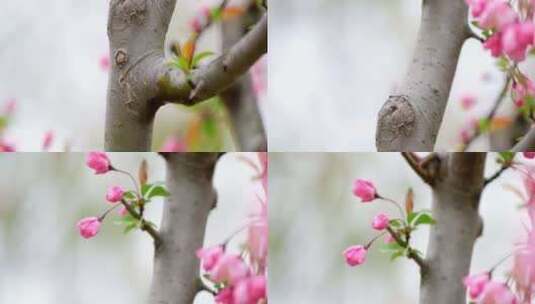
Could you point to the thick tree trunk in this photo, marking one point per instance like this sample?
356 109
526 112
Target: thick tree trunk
240 98
411 118
456 194
176 268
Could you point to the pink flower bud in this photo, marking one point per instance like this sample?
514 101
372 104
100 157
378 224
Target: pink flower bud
104 62
210 256
494 44
365 190
389 239
173 145
99 162
529 155
250 290
225 296
122 211
476 284
6 147
89 227
114 194
380 221
47 140
516 38
468 101
355 255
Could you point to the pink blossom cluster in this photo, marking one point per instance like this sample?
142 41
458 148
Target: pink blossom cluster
484 291
366 191
90 226
512 31
201 19
241 279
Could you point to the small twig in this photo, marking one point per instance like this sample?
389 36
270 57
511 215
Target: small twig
527 143
496 175
473 34
144 226
411 253
418 165
491 114
201 286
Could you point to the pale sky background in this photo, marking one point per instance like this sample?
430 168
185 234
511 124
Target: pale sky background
333 64
44 260
314 217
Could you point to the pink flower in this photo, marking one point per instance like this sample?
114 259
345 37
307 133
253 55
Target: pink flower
497 14
476 284
515 40
529 155
468 101
47 140
99 162
250 290
114 194
89 227
389 239
355 255
6 147
494 44
172 144
380 221
198 22
210 256
497 293
104 62
365 190
229 269
225 296
122 211
476 7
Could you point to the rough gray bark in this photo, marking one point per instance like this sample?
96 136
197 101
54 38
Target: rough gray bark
176 268
504 139
456 194
410 119
141 81
240 98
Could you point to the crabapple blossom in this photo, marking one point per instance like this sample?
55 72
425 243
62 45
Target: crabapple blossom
47 140
497 14
114 194
365 190
225 296
522 90
516 39
250 290
529 155
122 211
104 62
497 293
99 162
6 147
229 269
380 221
173 144
355 255
494 44
89 227
468 101
210 256
476 284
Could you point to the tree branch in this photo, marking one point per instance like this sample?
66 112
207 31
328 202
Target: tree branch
527 143
218 75
192 196
456 195
411 253
496 175
418 166
144 226
410 119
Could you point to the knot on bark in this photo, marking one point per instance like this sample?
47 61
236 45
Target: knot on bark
396 118
121 57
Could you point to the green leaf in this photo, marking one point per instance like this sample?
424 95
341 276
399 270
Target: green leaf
396 223
149 191
394 246
197 58
420 218
130 196
505 157
130 227
397 254
216 14
503 63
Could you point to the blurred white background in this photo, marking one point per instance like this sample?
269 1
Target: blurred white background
44 260
314 217
333 64
49 54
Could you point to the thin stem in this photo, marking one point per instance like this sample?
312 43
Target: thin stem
138 192
375 239
496 174
500 262
401 212
101 218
